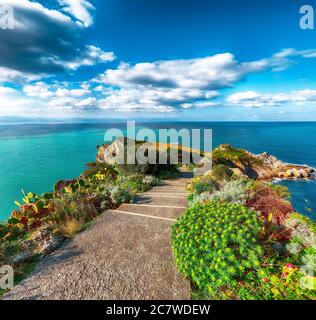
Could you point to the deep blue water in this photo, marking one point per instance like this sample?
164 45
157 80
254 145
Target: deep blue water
35 156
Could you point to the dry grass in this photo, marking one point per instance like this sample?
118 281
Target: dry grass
71 227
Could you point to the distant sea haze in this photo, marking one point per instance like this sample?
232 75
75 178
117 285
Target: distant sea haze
34 156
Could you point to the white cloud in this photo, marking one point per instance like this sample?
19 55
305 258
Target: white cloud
12 102
177 84
80 9
7 90
219 71
73 92
92 56
39 89
152 99
164 86
254 99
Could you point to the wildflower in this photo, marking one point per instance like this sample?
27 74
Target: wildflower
265 280
290 266
285 274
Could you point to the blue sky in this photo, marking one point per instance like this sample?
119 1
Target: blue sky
187 60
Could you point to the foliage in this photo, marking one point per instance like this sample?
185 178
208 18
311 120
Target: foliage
281 284
74 203
265 199
234 191
222 172
137 183
119 195
150 181
71 226
100 168
221 247
132 169
32 212
226 154
217 244
302 244
281 191
72 208
201 184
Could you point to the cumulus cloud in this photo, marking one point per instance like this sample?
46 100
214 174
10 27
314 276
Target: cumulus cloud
39 89
178 84
80 9
160 86
253 99
12 102
72 92
213 72
43 42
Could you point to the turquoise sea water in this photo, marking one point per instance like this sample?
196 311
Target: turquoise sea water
35 156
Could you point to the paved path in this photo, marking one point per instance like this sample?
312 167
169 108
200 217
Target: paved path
126 254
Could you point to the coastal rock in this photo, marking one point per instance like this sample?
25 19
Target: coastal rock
42 242
109 153
269 160
296 173
22 257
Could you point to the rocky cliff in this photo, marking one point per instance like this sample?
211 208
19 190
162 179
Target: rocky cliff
242 162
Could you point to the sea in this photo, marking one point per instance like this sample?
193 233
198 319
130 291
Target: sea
33 156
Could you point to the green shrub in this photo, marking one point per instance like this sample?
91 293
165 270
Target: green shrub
222 172
228 155
150 181
233 191
282 191
68 208
216 244
119 195
195 199
132 169
282 283
203 184
110 172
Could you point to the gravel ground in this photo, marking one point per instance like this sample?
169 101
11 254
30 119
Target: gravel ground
121 256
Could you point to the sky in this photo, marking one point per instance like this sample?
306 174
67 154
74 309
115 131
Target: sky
210 60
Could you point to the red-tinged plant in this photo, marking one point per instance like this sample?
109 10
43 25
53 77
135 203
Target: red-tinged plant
273 208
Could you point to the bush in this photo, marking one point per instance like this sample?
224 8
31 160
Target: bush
119 195
69 209
202 184
281 284
70 227
110 172
266 200
216 244
226 154
222 172
282 191
150 181
233 191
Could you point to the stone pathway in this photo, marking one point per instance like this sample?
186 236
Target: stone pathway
126 254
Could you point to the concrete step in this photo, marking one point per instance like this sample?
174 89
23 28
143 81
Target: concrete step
171 213
169 201
170 191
